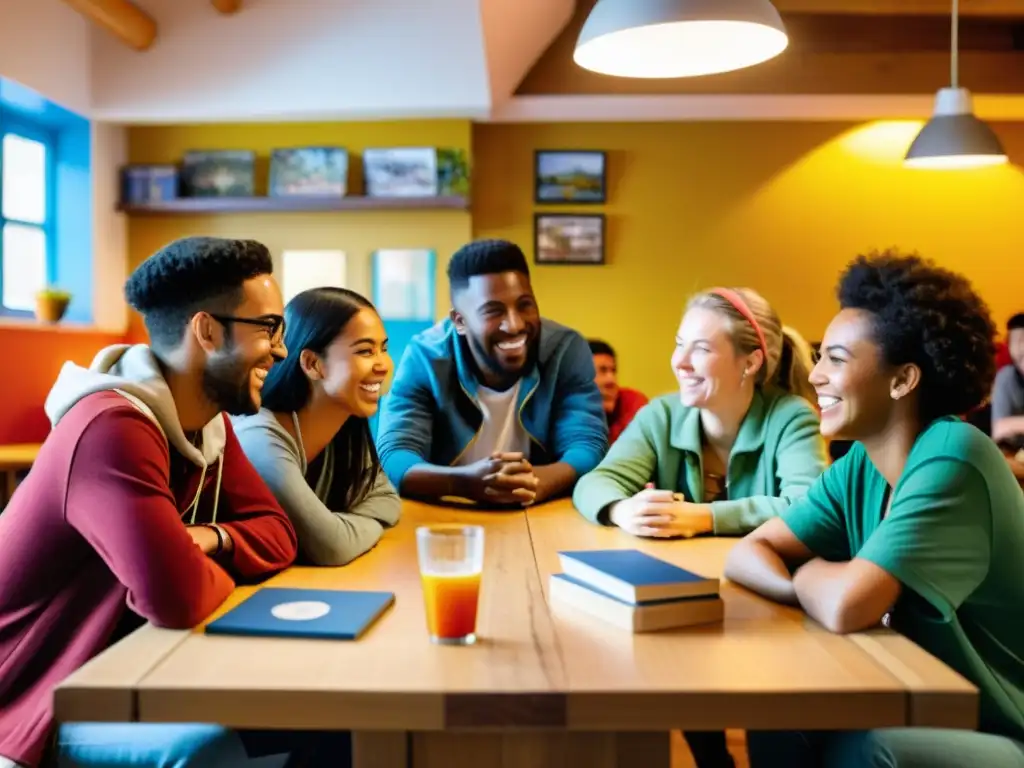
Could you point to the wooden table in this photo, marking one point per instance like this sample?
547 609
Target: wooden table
543 687
15 458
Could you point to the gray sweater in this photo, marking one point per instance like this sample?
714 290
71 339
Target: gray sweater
326 537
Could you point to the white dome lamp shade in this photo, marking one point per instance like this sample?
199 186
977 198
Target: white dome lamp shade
954 138
678 38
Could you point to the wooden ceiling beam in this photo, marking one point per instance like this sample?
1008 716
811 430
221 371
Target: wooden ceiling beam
121 18
990 8
227 6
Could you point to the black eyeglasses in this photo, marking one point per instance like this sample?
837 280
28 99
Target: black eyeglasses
273 323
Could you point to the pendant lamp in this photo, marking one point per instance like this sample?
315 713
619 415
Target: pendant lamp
678 38
954 138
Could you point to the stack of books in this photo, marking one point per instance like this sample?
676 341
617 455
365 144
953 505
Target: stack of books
635 591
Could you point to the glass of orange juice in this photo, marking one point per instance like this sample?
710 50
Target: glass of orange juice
451 561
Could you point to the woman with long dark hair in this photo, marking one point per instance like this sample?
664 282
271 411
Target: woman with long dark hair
311 440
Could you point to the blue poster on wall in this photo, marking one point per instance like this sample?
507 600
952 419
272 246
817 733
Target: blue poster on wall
403 288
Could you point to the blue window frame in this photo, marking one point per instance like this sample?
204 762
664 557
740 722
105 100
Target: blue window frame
27 213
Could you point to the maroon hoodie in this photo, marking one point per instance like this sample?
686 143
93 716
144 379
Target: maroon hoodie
97 528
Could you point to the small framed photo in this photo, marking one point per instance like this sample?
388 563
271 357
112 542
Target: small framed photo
218 173
400 172
568 238
570 176
311 171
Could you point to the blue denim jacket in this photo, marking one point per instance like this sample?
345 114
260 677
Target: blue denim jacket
431 413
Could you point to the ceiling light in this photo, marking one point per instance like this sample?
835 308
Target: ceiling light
678 38
954 138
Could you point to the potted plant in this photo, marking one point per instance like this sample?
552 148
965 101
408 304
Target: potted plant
51 304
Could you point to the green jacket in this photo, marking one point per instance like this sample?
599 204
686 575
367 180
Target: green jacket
778 454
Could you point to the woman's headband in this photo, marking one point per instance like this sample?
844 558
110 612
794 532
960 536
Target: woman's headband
741 306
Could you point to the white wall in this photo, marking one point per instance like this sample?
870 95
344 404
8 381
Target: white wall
110 228
296 59
44 45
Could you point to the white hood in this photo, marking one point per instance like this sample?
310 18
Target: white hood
133 372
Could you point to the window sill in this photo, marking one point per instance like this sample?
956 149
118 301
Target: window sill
65 326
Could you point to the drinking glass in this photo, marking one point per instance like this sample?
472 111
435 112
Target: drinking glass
451 559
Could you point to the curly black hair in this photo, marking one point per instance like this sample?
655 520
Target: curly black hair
190 275
931 317
484 257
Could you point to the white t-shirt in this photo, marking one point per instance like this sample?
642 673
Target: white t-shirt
501 430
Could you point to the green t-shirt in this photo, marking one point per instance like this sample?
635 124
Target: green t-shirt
954 538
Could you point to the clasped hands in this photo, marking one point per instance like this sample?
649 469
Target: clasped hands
503 478
662 515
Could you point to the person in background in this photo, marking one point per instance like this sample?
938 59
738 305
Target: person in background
494 404
620 403
737 445
311 440
1008 398
141 505
920 526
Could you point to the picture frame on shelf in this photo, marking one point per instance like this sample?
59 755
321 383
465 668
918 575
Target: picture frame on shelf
569 238
577 176
401 172
218 173
308 172
142 184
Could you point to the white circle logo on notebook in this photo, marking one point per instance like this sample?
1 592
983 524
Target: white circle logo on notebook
303 610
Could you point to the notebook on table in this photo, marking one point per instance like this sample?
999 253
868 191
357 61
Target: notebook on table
310 613
635 577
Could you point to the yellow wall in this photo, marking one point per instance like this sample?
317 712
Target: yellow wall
780 207
358 233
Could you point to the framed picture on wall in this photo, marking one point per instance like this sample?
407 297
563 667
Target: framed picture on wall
403 284
570 176
569 238
302 270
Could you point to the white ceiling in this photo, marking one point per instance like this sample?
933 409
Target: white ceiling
322 59
355 59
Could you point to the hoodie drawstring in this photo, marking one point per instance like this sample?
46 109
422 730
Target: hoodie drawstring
194 506
216 489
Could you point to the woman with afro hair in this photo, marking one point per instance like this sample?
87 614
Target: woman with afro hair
919 527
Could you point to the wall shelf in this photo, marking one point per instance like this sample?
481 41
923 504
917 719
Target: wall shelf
184 206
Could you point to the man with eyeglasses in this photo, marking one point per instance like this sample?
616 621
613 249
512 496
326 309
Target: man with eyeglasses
141 505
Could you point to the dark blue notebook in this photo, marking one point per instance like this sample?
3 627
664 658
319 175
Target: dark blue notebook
634 576
317 613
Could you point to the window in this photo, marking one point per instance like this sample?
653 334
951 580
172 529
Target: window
26 216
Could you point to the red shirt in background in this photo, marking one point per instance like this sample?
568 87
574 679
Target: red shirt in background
96 528
630 401
1002 355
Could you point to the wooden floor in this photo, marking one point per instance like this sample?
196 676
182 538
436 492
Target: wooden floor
681 757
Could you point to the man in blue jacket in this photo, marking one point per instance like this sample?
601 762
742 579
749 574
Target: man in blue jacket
494 404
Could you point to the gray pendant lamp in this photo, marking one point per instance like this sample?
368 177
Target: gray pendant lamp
678 38
954 138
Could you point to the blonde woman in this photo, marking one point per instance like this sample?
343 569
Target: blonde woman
737 444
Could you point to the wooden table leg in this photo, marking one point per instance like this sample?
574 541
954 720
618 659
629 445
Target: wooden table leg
380 749
541 749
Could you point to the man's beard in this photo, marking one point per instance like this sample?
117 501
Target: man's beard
227 382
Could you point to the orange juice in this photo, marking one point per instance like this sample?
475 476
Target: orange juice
451 603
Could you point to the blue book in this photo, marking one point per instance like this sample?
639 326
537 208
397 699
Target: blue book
634 576
315 613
